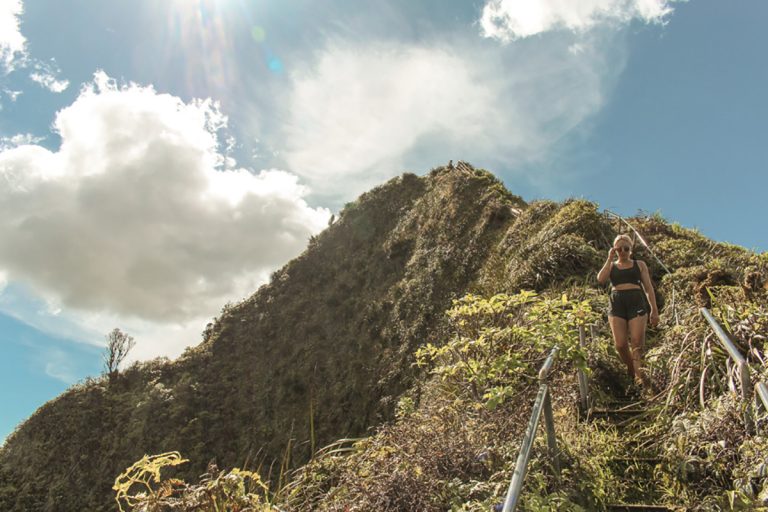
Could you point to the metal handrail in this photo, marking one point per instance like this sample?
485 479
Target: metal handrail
543 404
521 466
724 337
582 377
548 363
761 391
741 363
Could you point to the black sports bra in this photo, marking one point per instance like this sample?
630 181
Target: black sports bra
629 275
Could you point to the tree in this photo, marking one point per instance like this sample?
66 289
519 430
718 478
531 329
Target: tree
118 346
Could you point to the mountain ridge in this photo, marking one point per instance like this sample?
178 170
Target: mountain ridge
343 319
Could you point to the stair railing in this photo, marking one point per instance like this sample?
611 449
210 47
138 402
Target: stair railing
584 398
760 389
761 392
543 404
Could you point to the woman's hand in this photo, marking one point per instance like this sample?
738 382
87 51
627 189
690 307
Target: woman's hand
654 318
612 254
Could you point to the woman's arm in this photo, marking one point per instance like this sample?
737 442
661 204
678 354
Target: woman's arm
645 277
605 272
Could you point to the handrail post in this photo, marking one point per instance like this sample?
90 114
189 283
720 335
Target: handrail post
549 423
746 396
549 419
746 381
583 383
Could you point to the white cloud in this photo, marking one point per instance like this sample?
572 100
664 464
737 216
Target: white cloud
20 139
13 52
153 339
59 366
361 113
11 41
362 108
508 20
12 95
45 74
134 216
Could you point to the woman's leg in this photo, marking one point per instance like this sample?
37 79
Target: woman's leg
637 338
619 330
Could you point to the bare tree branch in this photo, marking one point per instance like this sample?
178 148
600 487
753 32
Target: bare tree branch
118 346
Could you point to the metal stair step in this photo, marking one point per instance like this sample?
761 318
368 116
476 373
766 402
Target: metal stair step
619 410
638 460
618 416
630 507
618 404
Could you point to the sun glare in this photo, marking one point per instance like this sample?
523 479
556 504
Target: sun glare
206 31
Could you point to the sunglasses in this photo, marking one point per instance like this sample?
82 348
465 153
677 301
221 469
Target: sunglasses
623 248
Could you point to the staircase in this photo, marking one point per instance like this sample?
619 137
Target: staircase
617 408
639 462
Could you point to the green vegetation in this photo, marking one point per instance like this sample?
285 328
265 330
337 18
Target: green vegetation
343 319
496 340
142 488
406 342
473 408
450 451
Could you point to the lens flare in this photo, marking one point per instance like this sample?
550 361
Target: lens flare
275 65
258 34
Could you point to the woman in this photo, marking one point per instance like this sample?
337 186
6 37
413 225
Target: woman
628 315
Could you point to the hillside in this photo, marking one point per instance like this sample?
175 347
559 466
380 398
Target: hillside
327 349
454 443
332 335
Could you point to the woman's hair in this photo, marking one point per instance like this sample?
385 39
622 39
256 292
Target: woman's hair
626 238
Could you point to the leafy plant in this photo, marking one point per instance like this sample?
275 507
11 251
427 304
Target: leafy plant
234 491
501 339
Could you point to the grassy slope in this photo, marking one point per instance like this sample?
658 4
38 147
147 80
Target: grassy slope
332 334
451 451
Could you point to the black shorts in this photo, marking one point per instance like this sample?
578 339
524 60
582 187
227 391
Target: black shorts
628 304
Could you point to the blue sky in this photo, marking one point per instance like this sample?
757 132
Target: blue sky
159 159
